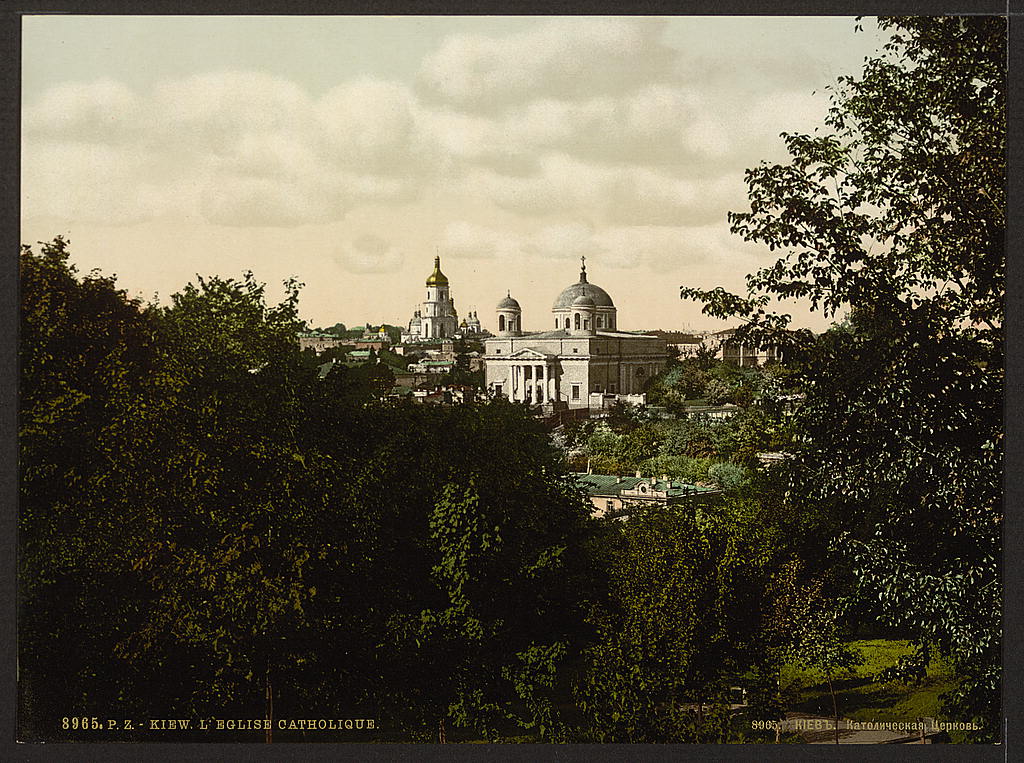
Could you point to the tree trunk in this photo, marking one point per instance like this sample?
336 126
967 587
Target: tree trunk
835 709
442 738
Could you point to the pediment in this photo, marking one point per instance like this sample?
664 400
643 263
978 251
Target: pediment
528 354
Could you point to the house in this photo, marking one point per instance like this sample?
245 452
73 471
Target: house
616 495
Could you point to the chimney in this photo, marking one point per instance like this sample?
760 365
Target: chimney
638 475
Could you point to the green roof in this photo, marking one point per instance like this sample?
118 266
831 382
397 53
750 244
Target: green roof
606 484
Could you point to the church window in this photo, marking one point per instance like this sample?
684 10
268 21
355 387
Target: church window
577 320
575 391
609 505
497 351
611 387
497 390
567 323
586 323
556 322
575 349
501 323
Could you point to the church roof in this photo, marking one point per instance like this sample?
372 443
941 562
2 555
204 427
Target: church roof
582 288
583 300
508 303
437 278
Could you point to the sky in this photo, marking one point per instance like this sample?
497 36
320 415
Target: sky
348 151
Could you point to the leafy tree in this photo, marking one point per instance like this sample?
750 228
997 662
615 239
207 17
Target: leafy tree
227 526
682 618
897 214
718 391
727 476
88 358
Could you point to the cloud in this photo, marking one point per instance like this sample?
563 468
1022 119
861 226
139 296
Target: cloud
577 121
562 58
467 240
370 254
376 126
659 248
233 148
619 194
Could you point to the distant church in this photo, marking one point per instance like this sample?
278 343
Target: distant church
437 318
584 355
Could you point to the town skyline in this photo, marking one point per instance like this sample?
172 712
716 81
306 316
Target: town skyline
347 152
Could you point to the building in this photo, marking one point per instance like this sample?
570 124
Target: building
685 344
470 326
743 355
318 342
616 495
436 319
583 354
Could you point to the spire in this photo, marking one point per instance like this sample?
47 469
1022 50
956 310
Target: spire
583 268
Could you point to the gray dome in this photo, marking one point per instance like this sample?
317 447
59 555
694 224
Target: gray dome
583 288
583 300
508 303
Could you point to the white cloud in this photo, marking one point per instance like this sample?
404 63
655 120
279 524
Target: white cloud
370 254
104 111
579 121
560 58
467 240
611 193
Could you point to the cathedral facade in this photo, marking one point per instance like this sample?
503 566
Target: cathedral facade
583 354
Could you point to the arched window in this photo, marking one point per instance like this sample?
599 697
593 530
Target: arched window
501 323
586 324
556 322
567 323
577 320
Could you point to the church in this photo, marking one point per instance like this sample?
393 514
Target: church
583 355
437 318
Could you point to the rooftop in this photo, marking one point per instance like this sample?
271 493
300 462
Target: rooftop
606 484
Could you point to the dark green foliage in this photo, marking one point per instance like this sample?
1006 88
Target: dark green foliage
203 516
684 616
898 216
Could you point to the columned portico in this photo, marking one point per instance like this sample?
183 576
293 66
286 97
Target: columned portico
530 382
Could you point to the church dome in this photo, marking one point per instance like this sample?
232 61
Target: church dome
437 278
583 300
508 303
416 321
582 289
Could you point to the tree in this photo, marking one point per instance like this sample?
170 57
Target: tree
207 525
682 619
88 358
898 216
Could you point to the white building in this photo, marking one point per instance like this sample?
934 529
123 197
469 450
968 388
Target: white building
584 354
437 318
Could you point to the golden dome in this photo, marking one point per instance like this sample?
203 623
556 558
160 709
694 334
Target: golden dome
437 278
